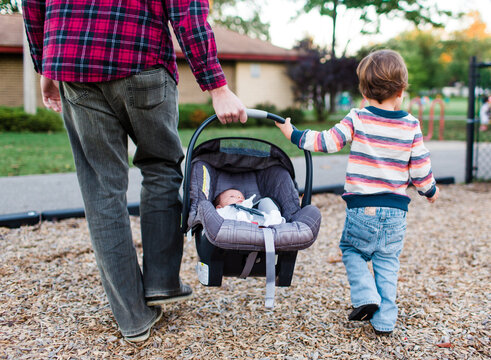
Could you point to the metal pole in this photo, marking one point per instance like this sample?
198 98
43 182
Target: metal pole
469 162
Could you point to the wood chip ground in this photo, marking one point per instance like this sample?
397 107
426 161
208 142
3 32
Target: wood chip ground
52 305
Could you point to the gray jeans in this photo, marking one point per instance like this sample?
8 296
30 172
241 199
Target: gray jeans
99 117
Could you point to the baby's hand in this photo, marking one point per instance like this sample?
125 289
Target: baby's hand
435 196
286 128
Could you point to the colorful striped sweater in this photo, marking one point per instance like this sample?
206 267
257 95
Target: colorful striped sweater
387 152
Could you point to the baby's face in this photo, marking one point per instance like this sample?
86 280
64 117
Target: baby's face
230 196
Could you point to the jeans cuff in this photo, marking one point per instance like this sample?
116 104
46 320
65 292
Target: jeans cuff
160 292
366 302
382 328
143 328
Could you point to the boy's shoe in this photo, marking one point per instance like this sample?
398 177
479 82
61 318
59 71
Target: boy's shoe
382 333
363 313
146 334
183 293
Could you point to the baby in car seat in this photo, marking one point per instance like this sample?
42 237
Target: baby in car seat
231 204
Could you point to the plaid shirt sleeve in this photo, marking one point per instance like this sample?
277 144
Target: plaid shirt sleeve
91 41
34 13
195 36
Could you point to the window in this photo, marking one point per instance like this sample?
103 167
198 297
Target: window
255 70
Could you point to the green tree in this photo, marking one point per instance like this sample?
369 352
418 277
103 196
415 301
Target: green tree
315 75
422 52
416 11
435 58
9 6
460 46
225 13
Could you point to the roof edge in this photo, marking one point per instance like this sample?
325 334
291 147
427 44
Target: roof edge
11 49
251 57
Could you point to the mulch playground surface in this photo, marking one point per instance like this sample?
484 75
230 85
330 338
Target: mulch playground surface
52 305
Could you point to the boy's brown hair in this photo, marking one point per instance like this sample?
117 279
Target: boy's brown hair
382 74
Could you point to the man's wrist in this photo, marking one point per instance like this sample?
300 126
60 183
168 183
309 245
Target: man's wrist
218 90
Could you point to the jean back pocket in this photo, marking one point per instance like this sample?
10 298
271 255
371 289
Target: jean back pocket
361 232
148 88
394 237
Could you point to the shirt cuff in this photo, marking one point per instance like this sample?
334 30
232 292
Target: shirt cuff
215 85
211 78
430 192
296 136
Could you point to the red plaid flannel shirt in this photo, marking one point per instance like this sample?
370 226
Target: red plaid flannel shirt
94 41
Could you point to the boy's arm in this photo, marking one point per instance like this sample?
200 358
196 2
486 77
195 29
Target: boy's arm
328 141
420 169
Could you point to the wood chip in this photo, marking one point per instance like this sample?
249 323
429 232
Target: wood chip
53 305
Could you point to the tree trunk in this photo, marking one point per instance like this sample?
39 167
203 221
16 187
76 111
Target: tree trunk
333 93
332 101
334 18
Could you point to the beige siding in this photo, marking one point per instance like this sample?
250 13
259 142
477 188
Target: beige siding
253 83
189 90
11 93
264 82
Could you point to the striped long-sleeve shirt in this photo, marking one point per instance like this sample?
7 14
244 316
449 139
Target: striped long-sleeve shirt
103 40
387 152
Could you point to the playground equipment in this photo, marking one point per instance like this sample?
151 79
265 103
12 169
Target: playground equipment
417 101
441 121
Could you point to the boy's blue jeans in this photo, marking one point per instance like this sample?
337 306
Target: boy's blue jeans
99 117
376 234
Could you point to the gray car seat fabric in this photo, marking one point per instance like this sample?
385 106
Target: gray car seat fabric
302 224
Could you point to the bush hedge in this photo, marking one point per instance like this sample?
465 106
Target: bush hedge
17 120
192 115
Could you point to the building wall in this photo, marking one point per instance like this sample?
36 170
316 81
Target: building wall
11 93
253 83
264 82
189 90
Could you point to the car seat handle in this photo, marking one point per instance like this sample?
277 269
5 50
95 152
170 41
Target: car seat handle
261 114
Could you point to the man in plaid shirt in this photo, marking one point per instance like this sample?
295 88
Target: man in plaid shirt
112 68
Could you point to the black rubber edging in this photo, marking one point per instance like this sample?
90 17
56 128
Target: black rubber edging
33 217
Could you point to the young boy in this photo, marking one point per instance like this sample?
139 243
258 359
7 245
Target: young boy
387 152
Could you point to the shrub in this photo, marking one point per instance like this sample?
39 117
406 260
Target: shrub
197 117
297 115
16 120
271 108
192 115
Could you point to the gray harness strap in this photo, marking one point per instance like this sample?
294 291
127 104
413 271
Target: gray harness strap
270 267
251 259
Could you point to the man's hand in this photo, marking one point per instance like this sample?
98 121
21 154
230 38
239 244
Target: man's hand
51 94
227 105
286 128
435 195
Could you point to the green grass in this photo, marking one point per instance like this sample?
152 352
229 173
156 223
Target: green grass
35 153
38 153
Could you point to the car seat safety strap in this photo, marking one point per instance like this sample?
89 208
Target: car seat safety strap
270 266
251 259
